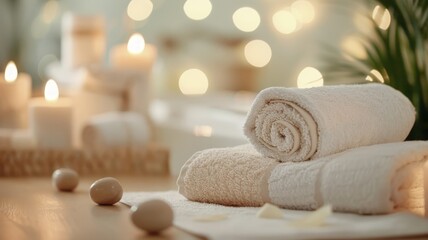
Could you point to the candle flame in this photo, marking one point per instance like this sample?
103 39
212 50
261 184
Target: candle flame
51 91
11 72
136 44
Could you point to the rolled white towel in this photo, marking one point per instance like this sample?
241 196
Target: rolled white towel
116 130
291 124
16 139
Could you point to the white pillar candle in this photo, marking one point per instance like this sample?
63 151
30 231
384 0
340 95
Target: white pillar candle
51 119
83 40
139 57
136 55
15 91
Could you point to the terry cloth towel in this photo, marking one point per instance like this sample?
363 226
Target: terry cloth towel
291 124
116 130
242 222
373 179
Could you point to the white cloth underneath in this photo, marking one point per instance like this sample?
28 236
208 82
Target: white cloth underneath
242 222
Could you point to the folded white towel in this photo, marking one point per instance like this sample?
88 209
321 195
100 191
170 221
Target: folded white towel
292 124
242 223
369 180
110 81
116 130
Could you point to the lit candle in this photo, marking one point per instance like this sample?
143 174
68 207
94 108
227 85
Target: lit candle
136 55
51 118
15 90
139 57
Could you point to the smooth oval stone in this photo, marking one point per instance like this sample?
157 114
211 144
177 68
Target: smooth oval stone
152 216
106 191
65 179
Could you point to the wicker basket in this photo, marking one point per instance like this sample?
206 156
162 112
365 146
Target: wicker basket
152 160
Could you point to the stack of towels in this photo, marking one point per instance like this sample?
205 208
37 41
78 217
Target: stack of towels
338 145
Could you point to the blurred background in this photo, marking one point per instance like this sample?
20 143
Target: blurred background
204 61
212 36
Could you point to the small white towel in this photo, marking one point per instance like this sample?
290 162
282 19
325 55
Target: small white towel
291 124
116 130
369 180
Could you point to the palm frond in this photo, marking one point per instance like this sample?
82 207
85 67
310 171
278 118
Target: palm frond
399 53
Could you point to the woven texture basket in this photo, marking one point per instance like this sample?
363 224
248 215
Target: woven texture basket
36 162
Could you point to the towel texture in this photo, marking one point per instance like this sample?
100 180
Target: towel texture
291 124
242 222
369 180
116 130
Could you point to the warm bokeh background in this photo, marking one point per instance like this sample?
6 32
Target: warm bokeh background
31 35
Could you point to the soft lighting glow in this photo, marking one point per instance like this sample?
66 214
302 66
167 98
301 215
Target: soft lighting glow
44 63
377 74
51 91
361 21
303 10
136 44
246 19
284 22
197 9
258 53
351 45
11 72
193 82
203 131
50 11
382 17
138 10
310 77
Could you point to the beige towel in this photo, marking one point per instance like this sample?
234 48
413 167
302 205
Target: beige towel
116 130
368 180
299 124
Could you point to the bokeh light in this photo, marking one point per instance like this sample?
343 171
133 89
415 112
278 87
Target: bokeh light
50 11
382 17
284 21
258 53
193 82
202 130
310 77
246 19
139 10
197 9
303 10
377 75
353 46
